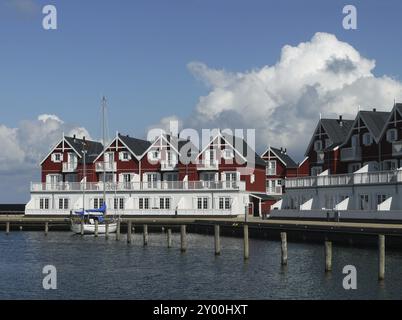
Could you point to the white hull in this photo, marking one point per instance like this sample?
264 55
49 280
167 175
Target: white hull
90 228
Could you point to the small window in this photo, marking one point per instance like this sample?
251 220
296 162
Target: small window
57 157
44 203
63 204
318 145
164 203
392 135
228 154
144 203
202 203
118 203
367 139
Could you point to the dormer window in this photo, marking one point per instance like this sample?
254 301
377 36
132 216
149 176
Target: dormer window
153 155
392 135
367 139
228 154
124 156
318 145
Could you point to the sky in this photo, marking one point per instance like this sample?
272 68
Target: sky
274 66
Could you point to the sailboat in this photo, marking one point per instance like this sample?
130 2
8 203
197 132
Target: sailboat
87 221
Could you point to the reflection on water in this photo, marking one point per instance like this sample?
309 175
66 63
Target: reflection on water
95 268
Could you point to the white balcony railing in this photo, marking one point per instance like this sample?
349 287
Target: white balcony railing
277 190
378 177
397 148
351 154
138 186
70 166
207 165
109 166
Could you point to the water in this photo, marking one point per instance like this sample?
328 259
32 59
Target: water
90 268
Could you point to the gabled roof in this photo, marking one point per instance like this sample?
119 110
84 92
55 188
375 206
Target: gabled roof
336 129
375 122
397 108
136 146
93 148
284 157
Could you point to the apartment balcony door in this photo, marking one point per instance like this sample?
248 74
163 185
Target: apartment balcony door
151 180
230 178
170 179
54 180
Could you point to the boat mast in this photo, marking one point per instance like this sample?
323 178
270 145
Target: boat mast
104 147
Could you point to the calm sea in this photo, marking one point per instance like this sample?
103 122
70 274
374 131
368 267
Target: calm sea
95 268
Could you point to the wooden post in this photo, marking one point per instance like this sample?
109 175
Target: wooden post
183 239
96 227
82 228
381 257
106 230
284 247
145 231
217 240
328 256
46 228
129 231
246 243
169 238
7 227
118 230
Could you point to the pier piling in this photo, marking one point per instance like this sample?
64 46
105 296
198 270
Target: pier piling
328 256
246 243
129 230
46 228
118 230
82 228
217 240
145 231
106 230
183 238
96 228
284 249
7 227
381 257
169 238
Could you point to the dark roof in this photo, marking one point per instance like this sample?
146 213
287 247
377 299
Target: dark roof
375 121
137 146
93 148
337 132
241 146
289 162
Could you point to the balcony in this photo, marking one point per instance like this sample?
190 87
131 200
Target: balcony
168 165
397 148
138 186
378 177
277 190
109 166
351 154
69 167
208 165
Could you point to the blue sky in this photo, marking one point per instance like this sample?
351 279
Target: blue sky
137 53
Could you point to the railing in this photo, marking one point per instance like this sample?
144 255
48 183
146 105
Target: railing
138 186
351 154
70 166
397 148
381 177
277 190
166 165
207 165
108 166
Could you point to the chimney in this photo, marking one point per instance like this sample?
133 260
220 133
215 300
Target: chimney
340 121
83 138
285 151
374 110
74 137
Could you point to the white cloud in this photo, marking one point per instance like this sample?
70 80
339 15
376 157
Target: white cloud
283 101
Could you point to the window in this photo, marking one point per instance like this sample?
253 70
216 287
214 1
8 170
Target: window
271 168
63 204
392 135
57 157
355 141
98 203
44 203
390 165
153 155
125 156
202 203
228 154
224 203
364 202
118 203
144 203
367 139
381 198
353 167
164 203
318 145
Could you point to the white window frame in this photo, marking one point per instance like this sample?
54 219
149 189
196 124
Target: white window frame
318 145
367 139
395 132
271 167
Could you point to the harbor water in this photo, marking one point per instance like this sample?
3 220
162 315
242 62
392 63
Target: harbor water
96 268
